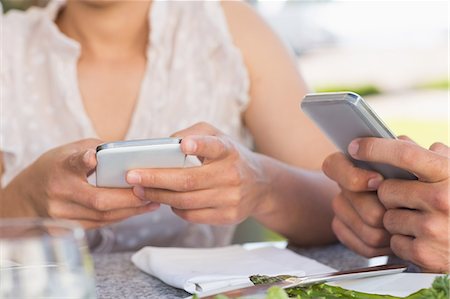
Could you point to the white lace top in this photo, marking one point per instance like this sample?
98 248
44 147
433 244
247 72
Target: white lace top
194 73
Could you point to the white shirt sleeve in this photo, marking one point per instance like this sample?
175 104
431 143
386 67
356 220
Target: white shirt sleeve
6 115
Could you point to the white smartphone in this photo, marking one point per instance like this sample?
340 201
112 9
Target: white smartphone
115 159
344 116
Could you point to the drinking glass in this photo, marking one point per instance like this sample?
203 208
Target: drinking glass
44 258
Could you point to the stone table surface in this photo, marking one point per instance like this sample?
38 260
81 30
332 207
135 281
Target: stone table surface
117 277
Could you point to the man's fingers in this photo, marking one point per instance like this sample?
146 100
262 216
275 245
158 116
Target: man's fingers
410 194
368 206
421 252
427 165
341 170
348 238
371 236
440 148
416 224
406 138
402 222
402 246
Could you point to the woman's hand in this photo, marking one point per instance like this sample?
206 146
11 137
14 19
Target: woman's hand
226 189
56 186
417 211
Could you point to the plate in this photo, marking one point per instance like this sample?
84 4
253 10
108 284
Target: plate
401 285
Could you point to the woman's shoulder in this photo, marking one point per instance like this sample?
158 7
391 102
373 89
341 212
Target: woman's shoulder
249 30
25 33
21 23
238 10
254 37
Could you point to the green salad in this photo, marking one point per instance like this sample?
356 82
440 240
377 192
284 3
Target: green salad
440 289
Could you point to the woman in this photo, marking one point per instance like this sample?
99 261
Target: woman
115 70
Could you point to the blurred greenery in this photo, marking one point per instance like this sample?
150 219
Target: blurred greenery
252 231
21 4
370 89
272 236
362 90
424 132
436 84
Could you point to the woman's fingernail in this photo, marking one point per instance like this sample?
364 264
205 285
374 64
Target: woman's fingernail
87 156
133 178
146 202
374 183
190 146
139 192
152 206
353 147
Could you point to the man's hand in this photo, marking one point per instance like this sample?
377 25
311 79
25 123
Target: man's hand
417 213
358 220
412 214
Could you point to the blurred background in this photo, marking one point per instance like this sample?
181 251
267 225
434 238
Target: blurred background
394 53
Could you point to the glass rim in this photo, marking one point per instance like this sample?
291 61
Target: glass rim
71 226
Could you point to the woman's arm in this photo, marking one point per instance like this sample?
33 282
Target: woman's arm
235 183
11 204
56 186
279 127
300 199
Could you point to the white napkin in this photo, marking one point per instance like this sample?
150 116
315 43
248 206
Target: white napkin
202 270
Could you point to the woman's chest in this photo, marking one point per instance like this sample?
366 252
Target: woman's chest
109 92
55 101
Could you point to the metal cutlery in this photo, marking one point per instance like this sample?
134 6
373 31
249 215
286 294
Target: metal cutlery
312 279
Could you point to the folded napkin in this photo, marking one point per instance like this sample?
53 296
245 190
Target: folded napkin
206 269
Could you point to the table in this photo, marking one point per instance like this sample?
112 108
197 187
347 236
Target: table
117 277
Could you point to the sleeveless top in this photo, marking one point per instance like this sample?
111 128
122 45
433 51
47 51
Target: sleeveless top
194 73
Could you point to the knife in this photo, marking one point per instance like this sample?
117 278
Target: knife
312 279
